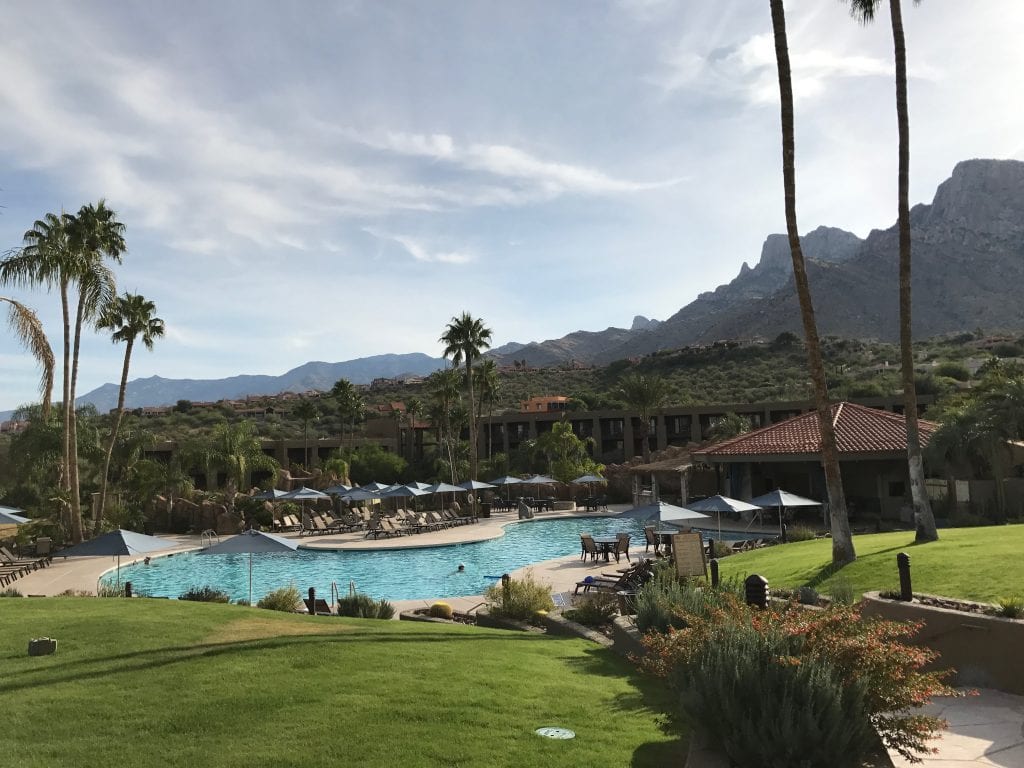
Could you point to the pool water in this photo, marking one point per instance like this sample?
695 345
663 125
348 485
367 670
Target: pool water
396 574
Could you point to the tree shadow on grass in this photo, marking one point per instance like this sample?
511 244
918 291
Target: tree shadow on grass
154 658
829 570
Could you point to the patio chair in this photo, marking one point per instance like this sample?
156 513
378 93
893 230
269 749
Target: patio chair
650 537
8 559
319 607
622 547
630 581
588 547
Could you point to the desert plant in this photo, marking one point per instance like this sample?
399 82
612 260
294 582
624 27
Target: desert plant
1011 607
285 599
364 607
767 707
440 611
595 609
10 592
520 600
110 590
205 594
807 596
842 591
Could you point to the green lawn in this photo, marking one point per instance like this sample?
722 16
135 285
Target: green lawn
163 683
974 563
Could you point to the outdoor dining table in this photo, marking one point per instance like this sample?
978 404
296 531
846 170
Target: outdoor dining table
607 545
666 537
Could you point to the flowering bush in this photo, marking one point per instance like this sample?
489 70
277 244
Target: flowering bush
851 650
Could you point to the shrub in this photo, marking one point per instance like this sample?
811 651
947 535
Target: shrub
521 600
10 592
720 549
364 607
205 595
808 596
799 533
285 599
871 653
595 609
440 611
109 590
1011 607
842 592
953 370
751 693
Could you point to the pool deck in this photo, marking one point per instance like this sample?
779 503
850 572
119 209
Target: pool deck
985 730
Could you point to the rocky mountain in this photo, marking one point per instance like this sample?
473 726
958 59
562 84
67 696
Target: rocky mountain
156 390
641 323
968 250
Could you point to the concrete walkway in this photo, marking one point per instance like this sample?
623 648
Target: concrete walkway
984 730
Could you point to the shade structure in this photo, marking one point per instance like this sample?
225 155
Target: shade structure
418 484
588 479
720 504
449 488
402 492
664 512
338 490
476 485
781 499
507 480
304 494
271 495
374 486
10 516
250 542
360 494
117 543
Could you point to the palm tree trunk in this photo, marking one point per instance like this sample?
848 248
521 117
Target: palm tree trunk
101 507
76 502
472 420
65 469
923 517
842 539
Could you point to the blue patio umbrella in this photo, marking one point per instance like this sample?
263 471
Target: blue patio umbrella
360 494
304 494
270 495
720 504
374 486
449 488
663 512
476 485
507 481
250 542
118 543
338 490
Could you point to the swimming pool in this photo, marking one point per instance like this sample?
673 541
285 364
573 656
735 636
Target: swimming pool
396 574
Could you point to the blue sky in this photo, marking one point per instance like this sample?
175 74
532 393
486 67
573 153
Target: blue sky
324 181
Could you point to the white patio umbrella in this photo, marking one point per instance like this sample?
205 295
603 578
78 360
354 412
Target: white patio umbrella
250 542
338 490
270 495
374 486
780 500
664 512
720 504
507 481
117 543
476 485
10 516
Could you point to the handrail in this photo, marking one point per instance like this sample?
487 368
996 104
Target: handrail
206 537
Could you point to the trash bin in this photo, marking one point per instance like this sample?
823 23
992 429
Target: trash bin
485 509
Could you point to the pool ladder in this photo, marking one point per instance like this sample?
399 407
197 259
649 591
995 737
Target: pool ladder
207 537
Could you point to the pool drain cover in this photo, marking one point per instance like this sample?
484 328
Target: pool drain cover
549 732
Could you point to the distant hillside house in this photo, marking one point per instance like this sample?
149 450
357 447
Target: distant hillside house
544 404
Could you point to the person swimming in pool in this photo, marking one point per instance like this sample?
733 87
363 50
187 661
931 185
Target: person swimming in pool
461 568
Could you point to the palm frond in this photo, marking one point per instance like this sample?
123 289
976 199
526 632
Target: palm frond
26 326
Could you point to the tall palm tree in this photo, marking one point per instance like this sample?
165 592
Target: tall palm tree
306 411
414 410
130 317
487 385
646 395
465 338
26 326
842 539
864 11
444 393
237 451
94 233
350 405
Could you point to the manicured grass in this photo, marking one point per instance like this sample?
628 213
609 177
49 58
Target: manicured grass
974 563
155 682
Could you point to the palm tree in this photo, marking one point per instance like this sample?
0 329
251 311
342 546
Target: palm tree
444 392
727 426
864 11
414 410
129 317
842 539
306 411
92 234
237 451
465 338
168 478
646 395
487 384
29 330
350 405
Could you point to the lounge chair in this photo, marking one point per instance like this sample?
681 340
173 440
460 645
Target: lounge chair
630 581
7 558
319 607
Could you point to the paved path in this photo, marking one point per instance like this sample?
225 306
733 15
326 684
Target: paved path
984 730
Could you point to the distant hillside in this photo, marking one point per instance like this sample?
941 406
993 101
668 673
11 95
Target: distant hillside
968 266
311 376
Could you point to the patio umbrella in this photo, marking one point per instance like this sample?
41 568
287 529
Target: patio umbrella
304 494
720 504
507 481
374 486
588 479
117 543
272 495
250 542
476 485
338 490
9 516
780 499
360 494
419 485
663 512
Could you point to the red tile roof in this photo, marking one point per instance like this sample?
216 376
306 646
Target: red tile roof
859 429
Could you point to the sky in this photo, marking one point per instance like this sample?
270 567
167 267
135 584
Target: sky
326 181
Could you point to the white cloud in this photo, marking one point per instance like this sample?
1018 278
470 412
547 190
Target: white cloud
420 252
